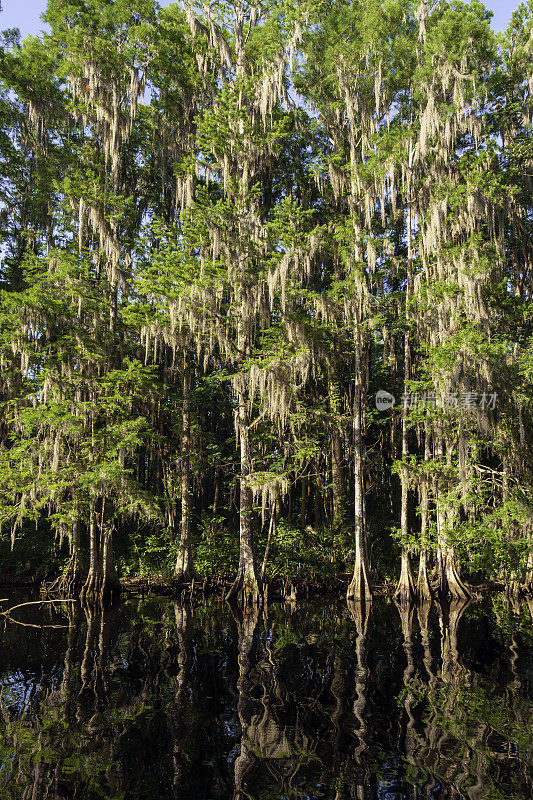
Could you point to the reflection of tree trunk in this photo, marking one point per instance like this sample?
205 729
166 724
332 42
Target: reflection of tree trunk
184 567
360 613
423 620
338 690
431 731
406 616
91 670
478 790
246 625
449 617
36 789
67 679
515 684
183 615
452 673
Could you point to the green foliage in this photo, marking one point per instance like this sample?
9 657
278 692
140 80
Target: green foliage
217 549
309 204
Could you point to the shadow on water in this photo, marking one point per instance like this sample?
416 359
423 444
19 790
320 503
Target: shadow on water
153 699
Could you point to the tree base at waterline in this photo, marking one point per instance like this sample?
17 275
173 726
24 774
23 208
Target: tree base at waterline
67 585
359 587
405 590
99 591
245 589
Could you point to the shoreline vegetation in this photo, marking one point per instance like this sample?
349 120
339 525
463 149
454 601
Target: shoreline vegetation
266 288
298 589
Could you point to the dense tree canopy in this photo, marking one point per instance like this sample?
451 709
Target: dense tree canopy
226 227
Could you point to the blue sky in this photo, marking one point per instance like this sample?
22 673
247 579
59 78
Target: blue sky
25 14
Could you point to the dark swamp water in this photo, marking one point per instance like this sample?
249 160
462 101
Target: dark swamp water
154 700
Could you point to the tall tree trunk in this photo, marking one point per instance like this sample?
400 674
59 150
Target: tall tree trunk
304 497
75 551
218 490
246 584
423 588
405 590
527 586
91 589
454 585
111 587
389 353
528 583
102 585
447 567
337 479
359 588
318 494
270 537
424 591
441 544
184 566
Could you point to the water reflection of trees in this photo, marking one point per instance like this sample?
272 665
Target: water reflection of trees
336 703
